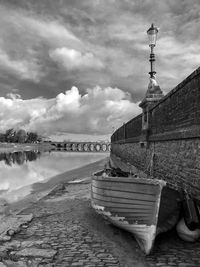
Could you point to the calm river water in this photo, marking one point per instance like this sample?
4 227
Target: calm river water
19 170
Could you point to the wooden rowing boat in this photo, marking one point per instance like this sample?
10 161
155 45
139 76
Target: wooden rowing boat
144 207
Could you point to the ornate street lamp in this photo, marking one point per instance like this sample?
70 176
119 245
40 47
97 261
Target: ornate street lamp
154 93
152 34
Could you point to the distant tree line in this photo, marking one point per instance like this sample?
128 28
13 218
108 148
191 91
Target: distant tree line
19 136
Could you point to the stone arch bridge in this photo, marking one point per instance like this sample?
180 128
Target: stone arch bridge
82 146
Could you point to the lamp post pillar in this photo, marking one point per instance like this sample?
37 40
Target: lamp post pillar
152 62
154 93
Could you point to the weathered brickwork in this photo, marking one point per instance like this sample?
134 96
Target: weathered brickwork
129 130
133 154
178 110
133 127
172 149
174 161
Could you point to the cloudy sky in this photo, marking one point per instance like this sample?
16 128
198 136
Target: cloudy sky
79 68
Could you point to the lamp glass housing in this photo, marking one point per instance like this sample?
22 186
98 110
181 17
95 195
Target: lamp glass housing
152 34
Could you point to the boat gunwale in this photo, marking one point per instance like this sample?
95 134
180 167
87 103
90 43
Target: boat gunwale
139 180
170 185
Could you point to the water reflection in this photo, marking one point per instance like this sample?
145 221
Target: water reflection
19 170
19 157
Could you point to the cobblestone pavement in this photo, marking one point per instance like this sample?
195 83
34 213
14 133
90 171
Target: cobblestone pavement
66 231
170 250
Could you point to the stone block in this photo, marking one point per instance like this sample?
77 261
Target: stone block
36 252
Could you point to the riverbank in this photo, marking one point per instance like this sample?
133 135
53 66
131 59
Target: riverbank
41 189
66 231
66 227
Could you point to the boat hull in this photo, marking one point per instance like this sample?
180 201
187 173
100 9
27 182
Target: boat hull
134 204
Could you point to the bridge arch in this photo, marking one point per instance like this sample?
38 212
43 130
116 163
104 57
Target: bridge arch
98 147
79 147
104 147
85 147
68 147
91 147
74 148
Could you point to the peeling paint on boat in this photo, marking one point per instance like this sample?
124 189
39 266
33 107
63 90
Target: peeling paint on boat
145 234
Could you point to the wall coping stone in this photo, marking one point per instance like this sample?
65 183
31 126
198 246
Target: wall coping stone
189 133
193 132
128 140
135 118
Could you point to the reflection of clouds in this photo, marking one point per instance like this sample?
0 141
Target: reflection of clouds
16 179
16 195
28 173
59 162
4 186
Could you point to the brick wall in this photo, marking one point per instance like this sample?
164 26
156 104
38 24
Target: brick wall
173 150
180 109
130 131
177 161
133 128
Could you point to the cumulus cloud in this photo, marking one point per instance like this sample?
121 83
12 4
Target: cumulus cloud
13 96
96 112
73 59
